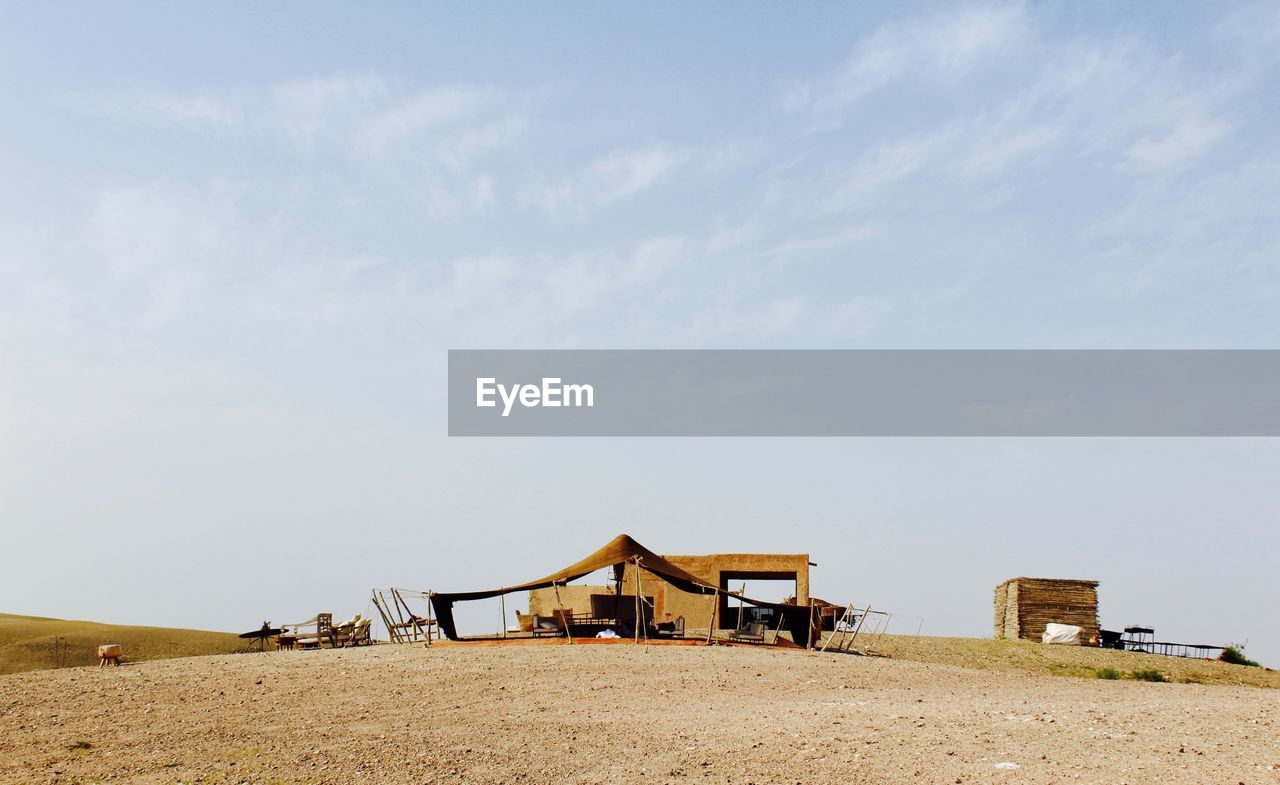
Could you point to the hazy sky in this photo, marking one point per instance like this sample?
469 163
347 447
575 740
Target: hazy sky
236 243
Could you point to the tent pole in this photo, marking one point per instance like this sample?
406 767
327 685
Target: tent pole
711 624
502 601
379 602
618 571
842 624
777 630
429 620
395 603
411 618
865 613
392 609
639 613
568 633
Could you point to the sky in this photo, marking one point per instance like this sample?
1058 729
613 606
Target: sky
237 241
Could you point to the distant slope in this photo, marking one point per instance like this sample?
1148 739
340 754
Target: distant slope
1030 657
28 643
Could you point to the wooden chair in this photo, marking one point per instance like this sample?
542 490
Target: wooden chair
360 634
670 629
541 629
752 632
343 634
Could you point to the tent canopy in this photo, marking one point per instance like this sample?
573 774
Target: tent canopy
619 550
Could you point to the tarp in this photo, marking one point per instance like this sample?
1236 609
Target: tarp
617 551
1061 633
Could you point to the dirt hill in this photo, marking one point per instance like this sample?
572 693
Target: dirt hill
620 714
29 643
1029 657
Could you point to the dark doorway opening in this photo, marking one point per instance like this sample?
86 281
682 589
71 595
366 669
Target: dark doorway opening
769 586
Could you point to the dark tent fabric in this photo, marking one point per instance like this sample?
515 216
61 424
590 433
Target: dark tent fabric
617 551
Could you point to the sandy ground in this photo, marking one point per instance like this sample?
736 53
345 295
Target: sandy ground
619 714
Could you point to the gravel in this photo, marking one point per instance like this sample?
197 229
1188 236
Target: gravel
618 714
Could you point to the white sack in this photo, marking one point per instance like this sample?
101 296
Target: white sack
1061 633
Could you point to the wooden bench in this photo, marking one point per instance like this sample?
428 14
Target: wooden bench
324 632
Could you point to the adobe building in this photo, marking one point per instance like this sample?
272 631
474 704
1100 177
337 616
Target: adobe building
668 603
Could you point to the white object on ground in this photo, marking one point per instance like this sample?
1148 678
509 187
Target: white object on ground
1061 633
607 634
109 654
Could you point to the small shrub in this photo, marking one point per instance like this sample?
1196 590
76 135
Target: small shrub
1147 674
1110 674
1234 654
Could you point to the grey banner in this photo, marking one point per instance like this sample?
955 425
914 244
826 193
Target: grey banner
864 393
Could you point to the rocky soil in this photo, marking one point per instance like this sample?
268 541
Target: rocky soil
619 714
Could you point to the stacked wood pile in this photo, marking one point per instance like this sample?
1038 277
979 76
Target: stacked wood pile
1025 605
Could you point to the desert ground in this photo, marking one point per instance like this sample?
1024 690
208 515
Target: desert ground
619 714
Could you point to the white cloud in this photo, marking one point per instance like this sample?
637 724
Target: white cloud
1252 28
1213 233
141 231
803 246
128 260
543 299
591 282
858 317
943 47
628 172
165 109
1115 105
367 114
449 200
734 321
422 113
430 145
902 178
481 279
303 110
1185 143
614 177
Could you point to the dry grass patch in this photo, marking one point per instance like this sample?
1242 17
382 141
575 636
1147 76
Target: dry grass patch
29 643
1082 661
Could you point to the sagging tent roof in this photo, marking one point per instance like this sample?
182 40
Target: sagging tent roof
617 551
